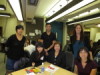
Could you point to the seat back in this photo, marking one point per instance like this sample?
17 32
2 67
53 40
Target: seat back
69 61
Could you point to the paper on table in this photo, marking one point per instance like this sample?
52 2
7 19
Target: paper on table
51 68
31 73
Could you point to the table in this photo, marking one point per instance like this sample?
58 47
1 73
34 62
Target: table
60 71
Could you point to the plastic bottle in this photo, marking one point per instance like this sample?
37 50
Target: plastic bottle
42 68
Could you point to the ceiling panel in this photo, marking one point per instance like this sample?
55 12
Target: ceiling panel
81 10
8 8
44 6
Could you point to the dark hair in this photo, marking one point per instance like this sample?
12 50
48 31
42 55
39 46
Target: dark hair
27 39
19 27
33 42
88 57
81 34
39 44
48 24
58 44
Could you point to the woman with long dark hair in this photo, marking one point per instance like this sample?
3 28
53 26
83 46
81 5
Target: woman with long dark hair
78 40
38 56
83 64
56 56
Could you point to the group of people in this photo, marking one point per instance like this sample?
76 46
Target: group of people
50 50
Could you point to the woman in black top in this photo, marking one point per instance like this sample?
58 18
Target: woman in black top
15 45
78 40
38 56
57 57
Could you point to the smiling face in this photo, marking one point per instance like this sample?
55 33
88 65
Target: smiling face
20 31
57 47
48 27
78 29
83 54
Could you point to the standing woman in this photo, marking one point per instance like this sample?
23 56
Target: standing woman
78 40
83 64
56 56
15 45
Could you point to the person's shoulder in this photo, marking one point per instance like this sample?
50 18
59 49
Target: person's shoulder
86 38
76 62
93 62
44 33
52 33
13 36
24 37
62 52
51 52
72 36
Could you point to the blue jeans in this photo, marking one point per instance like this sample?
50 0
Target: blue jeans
10 64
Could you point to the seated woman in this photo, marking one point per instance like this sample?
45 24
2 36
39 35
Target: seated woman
83 64
37 57
57 57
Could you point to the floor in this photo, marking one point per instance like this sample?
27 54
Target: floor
2 64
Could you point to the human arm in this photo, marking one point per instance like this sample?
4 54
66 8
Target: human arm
93 72
76 69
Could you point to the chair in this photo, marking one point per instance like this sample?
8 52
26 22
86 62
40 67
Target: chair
69 61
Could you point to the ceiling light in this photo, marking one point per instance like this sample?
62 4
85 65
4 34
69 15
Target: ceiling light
75 17
83 14
5 15
94 10
2 7
83 21
15 4
77 6
57 7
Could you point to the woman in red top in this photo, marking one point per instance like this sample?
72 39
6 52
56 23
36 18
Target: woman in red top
84 65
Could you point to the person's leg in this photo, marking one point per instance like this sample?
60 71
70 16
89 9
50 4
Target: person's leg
9 66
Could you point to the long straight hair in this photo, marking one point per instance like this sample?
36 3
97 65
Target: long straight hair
81 33
86 50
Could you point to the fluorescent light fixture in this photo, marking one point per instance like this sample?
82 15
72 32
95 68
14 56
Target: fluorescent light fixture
76 17
83 14
94 10
5 15
2 7
75 7
84 21
98 25
57 7
15 4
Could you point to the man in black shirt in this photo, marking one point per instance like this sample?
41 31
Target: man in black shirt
48 38
15 44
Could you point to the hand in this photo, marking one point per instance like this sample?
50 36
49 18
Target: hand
46 50
47 54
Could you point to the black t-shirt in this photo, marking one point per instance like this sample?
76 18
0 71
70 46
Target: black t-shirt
48 39
36 58
59 60
15 47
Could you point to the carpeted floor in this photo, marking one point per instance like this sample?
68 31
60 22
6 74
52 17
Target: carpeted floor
2 64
